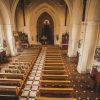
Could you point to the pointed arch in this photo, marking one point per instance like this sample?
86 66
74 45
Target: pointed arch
7 28
38 11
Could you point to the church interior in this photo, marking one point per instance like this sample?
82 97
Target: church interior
49 50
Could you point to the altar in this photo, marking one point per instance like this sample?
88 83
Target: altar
44 40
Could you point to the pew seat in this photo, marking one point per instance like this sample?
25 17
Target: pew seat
53 51
14 82
53 67
26 58
23 60
19 63
54 82
11 76
51 58
51 98
7 70
53 61
54 77
9 90
19 66
55 72
51 54
54 64
56 90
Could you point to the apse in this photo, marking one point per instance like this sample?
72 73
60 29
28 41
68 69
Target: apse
45 29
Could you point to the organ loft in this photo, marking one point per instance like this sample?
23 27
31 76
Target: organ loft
49 50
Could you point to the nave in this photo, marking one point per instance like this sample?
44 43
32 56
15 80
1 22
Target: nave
44 73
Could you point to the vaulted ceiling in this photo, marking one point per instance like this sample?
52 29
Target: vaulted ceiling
59 3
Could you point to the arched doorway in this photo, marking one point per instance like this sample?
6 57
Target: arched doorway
45 29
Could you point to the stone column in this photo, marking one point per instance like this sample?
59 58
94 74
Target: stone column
87 49
1 36
74 35
10 40
76 28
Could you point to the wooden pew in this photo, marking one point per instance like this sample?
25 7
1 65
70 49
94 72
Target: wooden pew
53 57
57 51
12 76
53 61
17 71
54 64
54 82
53 67
56 90
54 77
18 67
53 54
19 63
51 98
9 90
26 57
47 58
54 72
28 52
12 82
23 60
59 57
8 70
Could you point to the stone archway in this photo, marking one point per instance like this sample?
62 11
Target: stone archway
45 28
7 28
37 12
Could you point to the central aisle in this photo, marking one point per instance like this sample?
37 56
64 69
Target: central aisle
31 87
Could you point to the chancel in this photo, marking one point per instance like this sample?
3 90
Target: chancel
49 50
